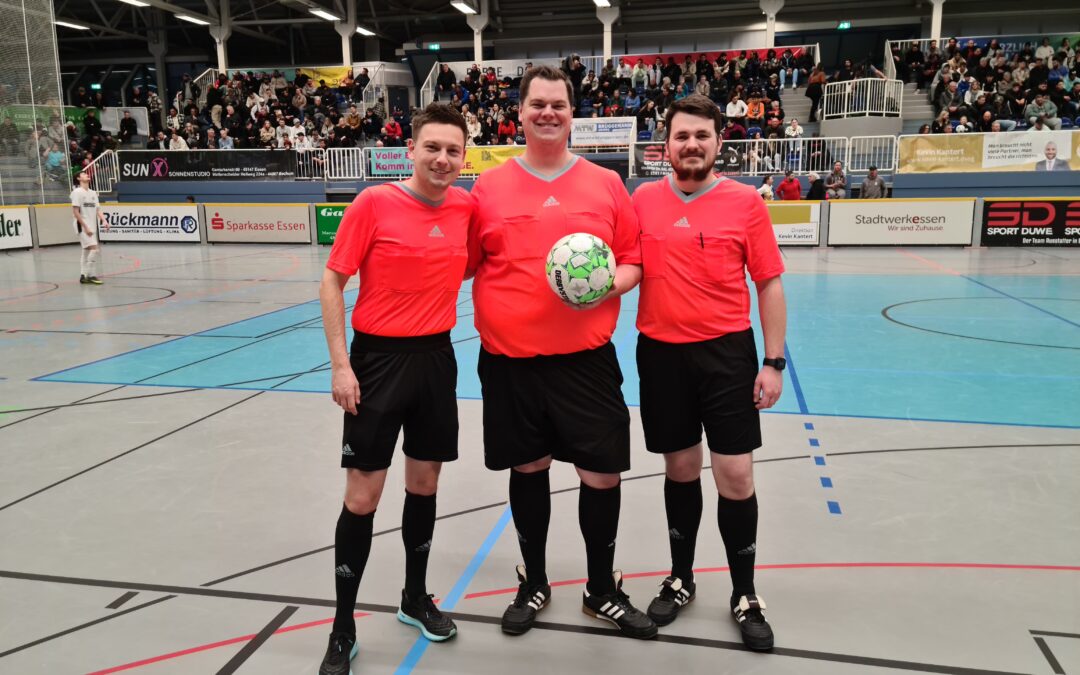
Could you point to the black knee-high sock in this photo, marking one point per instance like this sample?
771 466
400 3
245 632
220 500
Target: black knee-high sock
598 514
417 526
738 528
352 543
683 504
530 502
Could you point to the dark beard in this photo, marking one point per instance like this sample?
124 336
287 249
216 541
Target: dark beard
695 175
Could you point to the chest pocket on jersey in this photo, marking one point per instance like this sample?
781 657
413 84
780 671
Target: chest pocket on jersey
523 239
654 256
722 260
455 273
404 268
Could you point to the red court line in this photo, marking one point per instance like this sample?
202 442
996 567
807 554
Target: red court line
931 263
213 645
812 566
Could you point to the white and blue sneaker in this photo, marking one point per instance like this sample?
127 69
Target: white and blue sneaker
423 614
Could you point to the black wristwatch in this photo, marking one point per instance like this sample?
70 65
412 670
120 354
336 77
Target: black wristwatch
778 363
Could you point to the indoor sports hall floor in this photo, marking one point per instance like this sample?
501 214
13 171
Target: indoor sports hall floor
169 479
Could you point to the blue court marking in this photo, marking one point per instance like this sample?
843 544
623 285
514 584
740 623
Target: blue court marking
851 360
826 482
834 508
1021 301
809 426
814 443
412 658
819 460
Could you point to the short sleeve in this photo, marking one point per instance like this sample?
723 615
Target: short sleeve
75 198
472 244
763 257
627 239
355 234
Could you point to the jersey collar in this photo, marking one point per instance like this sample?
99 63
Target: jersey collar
419 197
686 199
548 178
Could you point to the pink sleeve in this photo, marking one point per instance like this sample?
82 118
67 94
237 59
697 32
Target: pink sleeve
763 257
354 236
627 240
475 250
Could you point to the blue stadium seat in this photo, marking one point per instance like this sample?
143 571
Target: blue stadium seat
644 135
1066 123
954 123
752 130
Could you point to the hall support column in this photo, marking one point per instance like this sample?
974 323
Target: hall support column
221 34
478 22
607 16
770 8
347 29
935 20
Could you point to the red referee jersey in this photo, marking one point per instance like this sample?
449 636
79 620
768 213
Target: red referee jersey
695 251
411 256
520 215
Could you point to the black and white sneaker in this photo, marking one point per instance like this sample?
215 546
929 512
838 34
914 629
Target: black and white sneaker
341 651
423 614
530 599
83 279
756 632
94 280
674 594
616 608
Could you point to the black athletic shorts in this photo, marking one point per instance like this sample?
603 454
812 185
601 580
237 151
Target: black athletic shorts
569 406
687 386
408 383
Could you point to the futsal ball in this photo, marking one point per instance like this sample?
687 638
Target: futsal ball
580 268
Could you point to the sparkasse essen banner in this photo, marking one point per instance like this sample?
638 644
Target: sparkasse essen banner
796 223
327 221
179 165
1031 222
15 227
603 132
901 222
1007 151
258 223
156 222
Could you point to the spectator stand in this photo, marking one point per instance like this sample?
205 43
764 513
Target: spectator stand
861 98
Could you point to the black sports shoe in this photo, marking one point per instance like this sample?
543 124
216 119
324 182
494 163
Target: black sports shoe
530 599
674 593
423 614
83 279
342 649
94 280
616 608
756 632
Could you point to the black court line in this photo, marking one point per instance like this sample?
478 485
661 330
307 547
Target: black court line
1048 633
885 313
30 295
251 302
83 402
93 332
117 603
127 452
261 637
58 407
276 281
1055 665
168 294
209 261
492 620
88 624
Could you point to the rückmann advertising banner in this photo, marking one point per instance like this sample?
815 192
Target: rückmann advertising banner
155 222
15 227
1010 151
901 222
795 223
1031 222
258 223
179 165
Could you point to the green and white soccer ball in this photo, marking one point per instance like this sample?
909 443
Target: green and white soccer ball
580 268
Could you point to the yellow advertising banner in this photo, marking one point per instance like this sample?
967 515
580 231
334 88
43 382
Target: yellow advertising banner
332 74
479 159
1008 151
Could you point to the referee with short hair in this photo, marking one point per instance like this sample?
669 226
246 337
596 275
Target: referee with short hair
407 240
550 379
697 360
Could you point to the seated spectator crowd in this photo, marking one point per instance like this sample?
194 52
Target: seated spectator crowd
981 88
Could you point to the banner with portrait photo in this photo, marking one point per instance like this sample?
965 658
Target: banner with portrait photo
1007 151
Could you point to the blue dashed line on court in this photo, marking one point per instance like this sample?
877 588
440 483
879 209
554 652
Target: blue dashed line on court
826 482
809 426
834 508
814 443
819 460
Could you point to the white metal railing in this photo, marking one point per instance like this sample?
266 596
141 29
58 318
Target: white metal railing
203 81
311 164
858 98
761 157
104 172
375 87
427 89
345 164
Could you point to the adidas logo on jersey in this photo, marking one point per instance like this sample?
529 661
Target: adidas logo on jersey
435 232
347 451
551 201
344 572
682 222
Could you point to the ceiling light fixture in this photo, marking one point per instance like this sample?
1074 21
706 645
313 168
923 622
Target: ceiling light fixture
463 6
68 24
323 14
364 31
192 19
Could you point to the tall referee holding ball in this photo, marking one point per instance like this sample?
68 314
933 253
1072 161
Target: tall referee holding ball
696 355
534 349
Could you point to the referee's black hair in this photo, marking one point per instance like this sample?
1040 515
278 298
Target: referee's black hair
439 113
698 106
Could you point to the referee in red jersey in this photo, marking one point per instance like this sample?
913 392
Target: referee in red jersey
697 360
407 240
536 351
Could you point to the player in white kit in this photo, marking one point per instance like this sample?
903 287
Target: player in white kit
84 204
